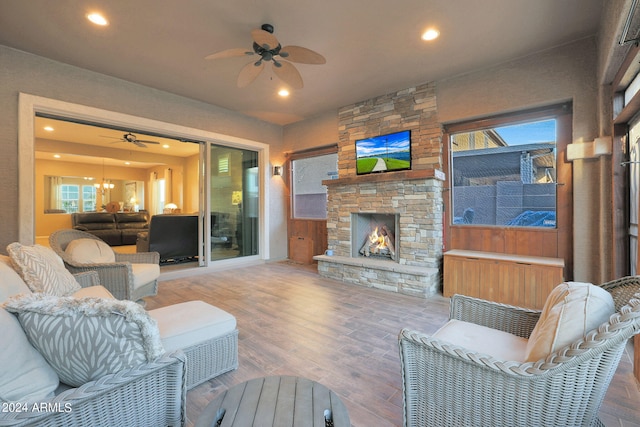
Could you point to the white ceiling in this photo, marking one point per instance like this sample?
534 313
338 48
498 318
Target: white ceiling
372 47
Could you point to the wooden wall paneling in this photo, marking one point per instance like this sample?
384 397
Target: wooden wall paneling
511 279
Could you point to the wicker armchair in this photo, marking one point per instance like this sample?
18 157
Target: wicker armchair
153 394
447 385
118 277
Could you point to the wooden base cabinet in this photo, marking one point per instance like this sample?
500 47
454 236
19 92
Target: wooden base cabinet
523 281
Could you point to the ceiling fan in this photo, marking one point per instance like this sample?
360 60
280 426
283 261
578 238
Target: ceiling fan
131 138
267 46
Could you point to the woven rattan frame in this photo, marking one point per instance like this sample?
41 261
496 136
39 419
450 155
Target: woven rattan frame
447 385
153 394
211 358
116 277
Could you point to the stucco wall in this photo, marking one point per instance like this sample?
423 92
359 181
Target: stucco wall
22 72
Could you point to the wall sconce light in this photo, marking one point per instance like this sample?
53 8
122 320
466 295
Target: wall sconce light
277 171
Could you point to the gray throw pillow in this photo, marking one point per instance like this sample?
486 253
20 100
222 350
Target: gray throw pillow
84 339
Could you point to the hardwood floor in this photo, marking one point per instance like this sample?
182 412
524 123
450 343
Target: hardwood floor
294 322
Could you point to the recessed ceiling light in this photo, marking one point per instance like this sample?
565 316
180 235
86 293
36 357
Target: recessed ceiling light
127 163
48 128
430 34
165 146
283 93
56 156
97 19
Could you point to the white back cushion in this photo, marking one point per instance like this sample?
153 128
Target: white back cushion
571 310
90 251
10 281
25 375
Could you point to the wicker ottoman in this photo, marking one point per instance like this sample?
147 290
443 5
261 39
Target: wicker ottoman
206 334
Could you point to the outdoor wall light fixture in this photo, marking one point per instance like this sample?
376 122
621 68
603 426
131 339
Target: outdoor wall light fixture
277 171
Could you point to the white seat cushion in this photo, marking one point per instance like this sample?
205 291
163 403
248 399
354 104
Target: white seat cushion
571 310
144 273
90 251
481 339
189 323
93 292
10 281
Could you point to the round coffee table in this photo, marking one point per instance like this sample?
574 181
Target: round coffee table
276 401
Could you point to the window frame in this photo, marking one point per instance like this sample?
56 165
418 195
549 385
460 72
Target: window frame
299 155
530 241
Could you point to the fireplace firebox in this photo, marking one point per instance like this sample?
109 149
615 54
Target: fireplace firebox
375 235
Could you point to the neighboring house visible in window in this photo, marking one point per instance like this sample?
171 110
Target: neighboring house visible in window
505 176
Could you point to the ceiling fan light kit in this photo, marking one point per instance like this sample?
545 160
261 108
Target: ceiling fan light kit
267 46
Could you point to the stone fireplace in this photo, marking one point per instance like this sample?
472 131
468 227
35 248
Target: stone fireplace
408 203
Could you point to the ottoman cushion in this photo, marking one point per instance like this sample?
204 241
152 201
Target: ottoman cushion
189 323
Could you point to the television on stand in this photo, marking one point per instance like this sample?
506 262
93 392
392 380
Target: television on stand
384 153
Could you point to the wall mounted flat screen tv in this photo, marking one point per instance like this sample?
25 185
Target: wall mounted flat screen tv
384 153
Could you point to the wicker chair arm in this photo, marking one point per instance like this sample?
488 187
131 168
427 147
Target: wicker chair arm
87 278
139 258
116 277
622 290
508 318
122 398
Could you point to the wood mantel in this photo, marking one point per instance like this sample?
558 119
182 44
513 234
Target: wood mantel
387 176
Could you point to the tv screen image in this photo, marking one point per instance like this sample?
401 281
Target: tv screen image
384 153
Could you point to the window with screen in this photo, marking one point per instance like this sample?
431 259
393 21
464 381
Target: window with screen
309 195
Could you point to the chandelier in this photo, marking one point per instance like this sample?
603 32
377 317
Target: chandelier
106 184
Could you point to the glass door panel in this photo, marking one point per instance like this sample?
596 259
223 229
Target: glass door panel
234 202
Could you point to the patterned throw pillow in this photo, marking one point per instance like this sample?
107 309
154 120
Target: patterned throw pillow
42 269
84 339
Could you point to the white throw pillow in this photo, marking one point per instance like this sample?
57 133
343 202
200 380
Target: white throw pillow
10 281
90 251
42 269
84 339
571 310
24 374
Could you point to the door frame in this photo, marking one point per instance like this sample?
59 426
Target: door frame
29 105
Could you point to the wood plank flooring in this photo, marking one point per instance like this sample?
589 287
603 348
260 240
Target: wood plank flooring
294 322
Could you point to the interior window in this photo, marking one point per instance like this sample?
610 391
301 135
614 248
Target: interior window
309 195
506 175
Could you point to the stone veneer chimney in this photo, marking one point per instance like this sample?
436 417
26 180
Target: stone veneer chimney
415 195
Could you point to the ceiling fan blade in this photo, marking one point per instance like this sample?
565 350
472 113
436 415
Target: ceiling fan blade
289 74
263 38
249 73
229 53
302 55
138 143
147 142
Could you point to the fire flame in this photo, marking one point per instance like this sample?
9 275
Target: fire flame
378 239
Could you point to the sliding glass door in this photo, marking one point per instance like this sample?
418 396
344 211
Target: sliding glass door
234 202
